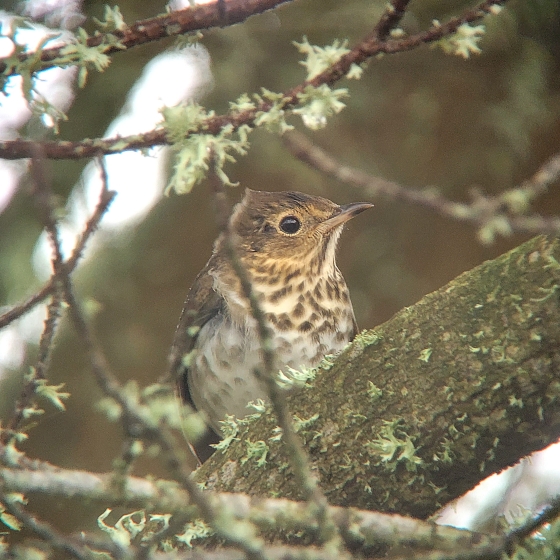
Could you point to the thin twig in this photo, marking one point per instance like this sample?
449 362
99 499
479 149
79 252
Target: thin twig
551 513
139 425
369 47
25 307
542 178
480 212
42 194
43 530
105 199
390 19
296 454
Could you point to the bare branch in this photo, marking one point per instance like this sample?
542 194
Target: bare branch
42 194
21 309
139 425
480 212
542 178
25 307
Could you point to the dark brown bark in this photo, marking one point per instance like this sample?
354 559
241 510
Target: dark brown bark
469 381
174 23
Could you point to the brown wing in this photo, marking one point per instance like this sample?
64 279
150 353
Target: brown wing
202 304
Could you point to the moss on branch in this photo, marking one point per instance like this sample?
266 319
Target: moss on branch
466 385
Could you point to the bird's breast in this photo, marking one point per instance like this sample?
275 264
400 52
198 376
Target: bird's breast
308 319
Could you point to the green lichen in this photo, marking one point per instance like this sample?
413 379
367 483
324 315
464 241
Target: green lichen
79 53
113 20
7 518
549 292
274 118
302 424
553 264
374 392
318 59
52 393
425 355
446 455
241 104
257 451
290 377
194 151
317 104
277 435
367 338
497 225
394 447
195 530
515 402
229 428
464 41
125 529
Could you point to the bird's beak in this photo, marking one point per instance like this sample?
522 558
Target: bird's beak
346 212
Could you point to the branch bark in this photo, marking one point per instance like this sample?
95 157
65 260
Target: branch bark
369 47
266 514
179 22
415 413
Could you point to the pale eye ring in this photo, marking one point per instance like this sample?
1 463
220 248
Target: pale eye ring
290 225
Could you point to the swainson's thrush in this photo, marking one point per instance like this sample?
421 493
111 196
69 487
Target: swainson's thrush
286 241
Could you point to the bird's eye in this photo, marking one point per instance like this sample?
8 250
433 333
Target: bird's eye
290 224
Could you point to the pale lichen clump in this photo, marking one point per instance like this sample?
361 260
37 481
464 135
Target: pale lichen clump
257 451
146 527
8 519
368 338
231 426
194 530
186 125
76 52
425 355
464 42
394 447
318 59
374 392
52 393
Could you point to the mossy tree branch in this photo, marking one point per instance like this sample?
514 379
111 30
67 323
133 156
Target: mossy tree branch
412 415
179 22
373 44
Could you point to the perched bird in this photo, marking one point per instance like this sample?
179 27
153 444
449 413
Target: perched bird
286 242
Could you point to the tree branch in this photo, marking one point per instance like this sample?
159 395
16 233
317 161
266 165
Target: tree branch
180 22
42 530
492 214
413 414
24 406
266 513
369 47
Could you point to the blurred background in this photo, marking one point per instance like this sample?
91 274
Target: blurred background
420 118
